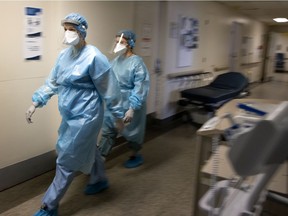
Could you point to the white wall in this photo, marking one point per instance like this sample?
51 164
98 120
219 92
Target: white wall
253 50
215 21
19 79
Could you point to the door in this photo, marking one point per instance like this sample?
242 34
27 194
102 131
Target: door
146 26
235 47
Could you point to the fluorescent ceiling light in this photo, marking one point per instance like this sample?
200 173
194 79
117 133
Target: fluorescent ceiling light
280 19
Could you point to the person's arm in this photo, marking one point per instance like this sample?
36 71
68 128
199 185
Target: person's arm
42 95
141 87
106 84
108 88
140 91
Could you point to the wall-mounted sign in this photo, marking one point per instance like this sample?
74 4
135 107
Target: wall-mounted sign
188 40
33 33
146 40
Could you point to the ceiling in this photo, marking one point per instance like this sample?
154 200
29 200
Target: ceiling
263 11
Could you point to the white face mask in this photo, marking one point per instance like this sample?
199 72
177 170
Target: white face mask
119 47
71 38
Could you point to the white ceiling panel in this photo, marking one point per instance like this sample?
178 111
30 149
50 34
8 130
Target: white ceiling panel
263 11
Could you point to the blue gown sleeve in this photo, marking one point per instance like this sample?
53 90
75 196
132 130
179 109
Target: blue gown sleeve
141 87
42 95
108 88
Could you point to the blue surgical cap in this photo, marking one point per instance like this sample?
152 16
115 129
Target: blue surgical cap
78 21
129 35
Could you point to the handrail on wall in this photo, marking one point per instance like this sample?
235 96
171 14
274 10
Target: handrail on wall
186 74
251 63
221 68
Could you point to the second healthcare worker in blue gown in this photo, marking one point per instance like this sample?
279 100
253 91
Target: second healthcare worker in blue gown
83 79
133 78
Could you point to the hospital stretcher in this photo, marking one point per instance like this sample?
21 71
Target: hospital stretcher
222 89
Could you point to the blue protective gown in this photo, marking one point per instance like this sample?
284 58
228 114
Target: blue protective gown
133 78
81 82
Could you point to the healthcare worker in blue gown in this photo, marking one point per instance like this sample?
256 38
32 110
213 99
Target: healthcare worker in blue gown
133 78
83 79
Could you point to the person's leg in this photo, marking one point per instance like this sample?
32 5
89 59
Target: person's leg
135 147
134 134
56 191
98 180
108 136
106 143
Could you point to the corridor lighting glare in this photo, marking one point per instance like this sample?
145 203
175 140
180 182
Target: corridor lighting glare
280 19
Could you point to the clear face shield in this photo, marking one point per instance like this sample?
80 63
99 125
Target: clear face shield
119 46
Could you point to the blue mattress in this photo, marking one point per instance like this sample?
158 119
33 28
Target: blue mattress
223 88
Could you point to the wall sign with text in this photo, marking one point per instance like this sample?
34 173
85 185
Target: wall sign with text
33 33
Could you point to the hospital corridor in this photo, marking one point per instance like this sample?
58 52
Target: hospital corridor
162 186
144 108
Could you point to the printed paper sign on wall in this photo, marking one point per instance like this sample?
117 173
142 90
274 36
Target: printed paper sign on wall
33 33
188 40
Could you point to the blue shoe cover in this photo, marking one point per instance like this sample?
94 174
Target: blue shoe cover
96 188
43 212
134 161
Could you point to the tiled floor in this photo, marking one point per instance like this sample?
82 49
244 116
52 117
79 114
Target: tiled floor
162 186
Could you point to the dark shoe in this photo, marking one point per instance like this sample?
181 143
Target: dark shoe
96 188
134 161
